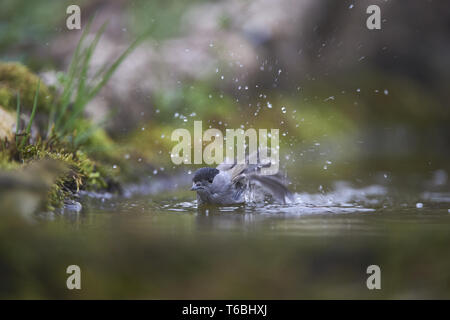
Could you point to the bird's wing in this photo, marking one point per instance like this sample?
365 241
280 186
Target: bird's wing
246 174
272 184
250 175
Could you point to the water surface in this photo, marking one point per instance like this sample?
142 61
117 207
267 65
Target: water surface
161 245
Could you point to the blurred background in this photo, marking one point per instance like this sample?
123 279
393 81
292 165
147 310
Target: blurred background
361 94
364 106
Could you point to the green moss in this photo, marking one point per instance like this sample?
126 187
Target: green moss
83 173
5 96
56 196
16 77
6 164
72 140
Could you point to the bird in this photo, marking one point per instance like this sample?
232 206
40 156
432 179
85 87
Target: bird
230 184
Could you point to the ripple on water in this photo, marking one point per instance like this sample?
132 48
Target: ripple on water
344 199
370 210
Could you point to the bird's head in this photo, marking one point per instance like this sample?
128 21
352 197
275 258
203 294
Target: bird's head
203 179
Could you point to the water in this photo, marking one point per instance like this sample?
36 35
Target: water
162 246
367 212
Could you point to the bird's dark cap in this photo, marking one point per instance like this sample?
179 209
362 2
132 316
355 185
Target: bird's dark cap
205 174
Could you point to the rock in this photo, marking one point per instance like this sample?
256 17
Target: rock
7 124
72 205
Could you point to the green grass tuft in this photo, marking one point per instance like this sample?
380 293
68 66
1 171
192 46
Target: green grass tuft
79 90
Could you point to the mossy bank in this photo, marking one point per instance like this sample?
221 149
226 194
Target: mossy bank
86 166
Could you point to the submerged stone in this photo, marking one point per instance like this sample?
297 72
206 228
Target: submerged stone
72 205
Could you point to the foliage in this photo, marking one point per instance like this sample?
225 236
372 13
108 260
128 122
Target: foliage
69 134
78 90
84 173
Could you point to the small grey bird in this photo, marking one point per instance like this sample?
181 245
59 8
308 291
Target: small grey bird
230 184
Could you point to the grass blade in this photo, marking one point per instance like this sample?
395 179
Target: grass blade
68 89
115 65
109 72
18 115
33 113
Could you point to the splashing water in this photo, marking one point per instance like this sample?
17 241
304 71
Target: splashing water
344 199
366 211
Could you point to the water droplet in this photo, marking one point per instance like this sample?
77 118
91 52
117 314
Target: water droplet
269 105
386 92
283 109
419 205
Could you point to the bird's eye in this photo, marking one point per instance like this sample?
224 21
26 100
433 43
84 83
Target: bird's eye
210 180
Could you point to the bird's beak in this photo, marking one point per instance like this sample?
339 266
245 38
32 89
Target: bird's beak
195 187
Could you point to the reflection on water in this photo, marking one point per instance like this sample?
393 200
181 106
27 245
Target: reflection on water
364 211
163 246
344 200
